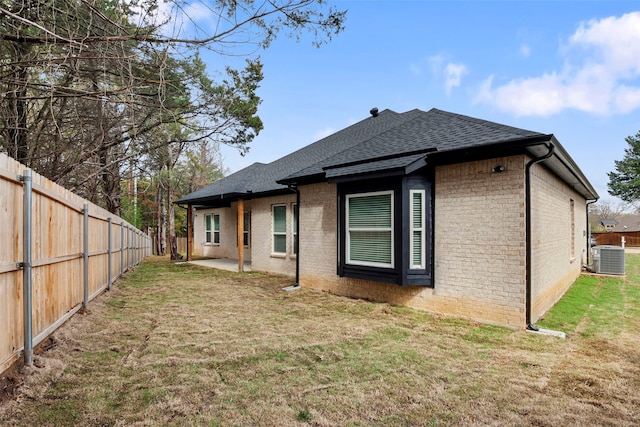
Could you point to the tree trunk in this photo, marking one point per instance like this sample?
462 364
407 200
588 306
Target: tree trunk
162 219
18 146
173 242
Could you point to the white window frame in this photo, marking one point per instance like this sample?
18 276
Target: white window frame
349 229
278 233
208 236
215 233
247 229
572 235
413 229
294 220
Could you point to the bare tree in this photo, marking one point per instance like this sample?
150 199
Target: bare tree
84 82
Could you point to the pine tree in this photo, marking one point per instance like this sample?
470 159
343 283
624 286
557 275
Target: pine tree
625 181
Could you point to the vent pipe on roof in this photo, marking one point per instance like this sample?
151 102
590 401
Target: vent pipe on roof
374 111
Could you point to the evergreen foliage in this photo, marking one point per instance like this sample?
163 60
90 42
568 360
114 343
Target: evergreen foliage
624 182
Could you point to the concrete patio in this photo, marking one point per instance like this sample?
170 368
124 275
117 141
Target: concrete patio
222 264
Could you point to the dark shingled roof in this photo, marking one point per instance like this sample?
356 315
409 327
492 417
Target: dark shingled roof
390 141
261 178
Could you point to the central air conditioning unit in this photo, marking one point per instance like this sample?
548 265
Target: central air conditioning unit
608 259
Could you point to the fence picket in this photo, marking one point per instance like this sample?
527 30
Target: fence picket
58 252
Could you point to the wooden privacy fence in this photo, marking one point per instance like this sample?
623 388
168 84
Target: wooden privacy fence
632 238
57 252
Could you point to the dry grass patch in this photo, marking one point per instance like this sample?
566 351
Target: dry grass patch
185 345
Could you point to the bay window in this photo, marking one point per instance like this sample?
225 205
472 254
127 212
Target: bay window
416 232
385 229
370 229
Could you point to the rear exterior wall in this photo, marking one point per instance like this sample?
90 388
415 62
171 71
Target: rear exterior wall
228 246
479 242
559 239
479 245
263 257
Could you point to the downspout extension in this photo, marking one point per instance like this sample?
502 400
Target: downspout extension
551 147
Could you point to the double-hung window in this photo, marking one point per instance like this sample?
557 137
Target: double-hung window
417 231
212 228
572 215
385 229
369 229
247 226
279 213
216 229
207 228
295 228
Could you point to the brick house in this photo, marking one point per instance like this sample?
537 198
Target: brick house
432 210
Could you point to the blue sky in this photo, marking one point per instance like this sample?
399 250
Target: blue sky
570 68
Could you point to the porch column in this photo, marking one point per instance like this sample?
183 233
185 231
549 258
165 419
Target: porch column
240 235
189 233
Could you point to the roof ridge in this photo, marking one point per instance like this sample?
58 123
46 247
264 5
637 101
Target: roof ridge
483 122
389 129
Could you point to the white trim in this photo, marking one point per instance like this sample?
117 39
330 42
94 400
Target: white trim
421 229
294 235
213 229
348 230
247 230
278 233
210 242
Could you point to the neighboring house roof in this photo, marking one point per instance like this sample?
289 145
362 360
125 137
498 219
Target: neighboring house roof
628 222
393 143
622 223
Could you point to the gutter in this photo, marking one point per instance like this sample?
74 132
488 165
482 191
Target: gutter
528 278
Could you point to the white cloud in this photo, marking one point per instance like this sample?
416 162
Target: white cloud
603 81
453 75
525 50
627 98
177 19
448 71
436 62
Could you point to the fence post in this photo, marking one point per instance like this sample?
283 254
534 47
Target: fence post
109 257
26 266
128 247
121 248
85 255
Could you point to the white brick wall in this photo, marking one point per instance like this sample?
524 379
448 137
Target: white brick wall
479 242
318 231
479 245
228 233
262 258
480 239
554 264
